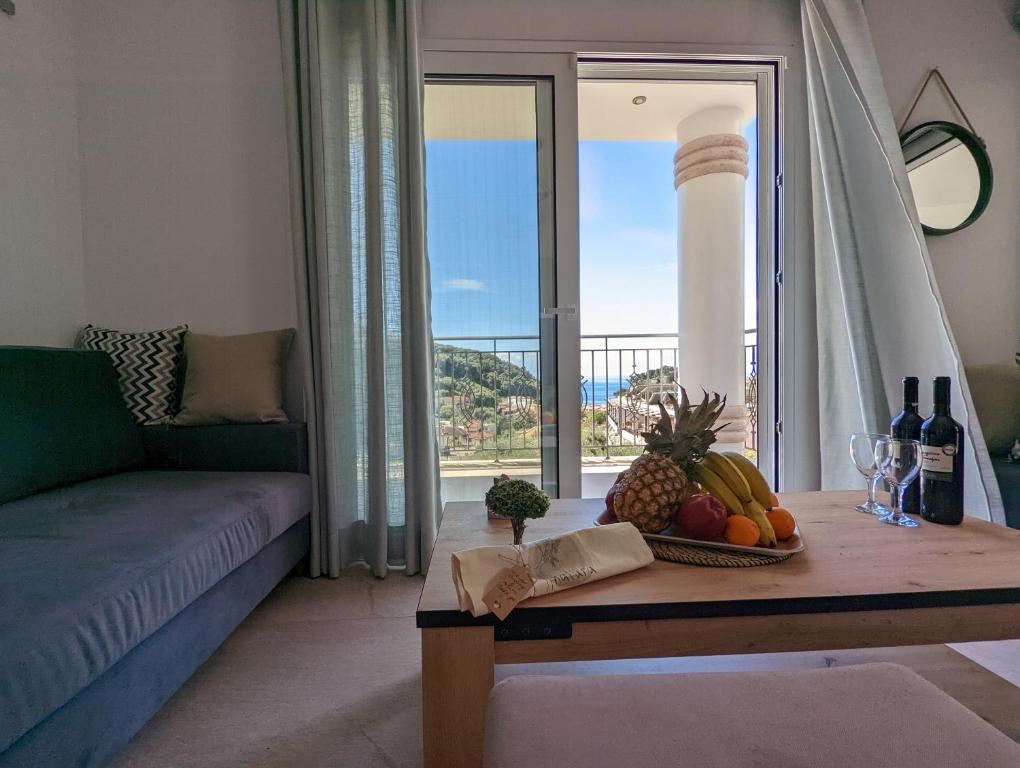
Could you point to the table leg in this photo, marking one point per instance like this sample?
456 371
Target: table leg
457 673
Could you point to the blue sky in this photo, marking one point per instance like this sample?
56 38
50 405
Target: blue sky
628 235
483 237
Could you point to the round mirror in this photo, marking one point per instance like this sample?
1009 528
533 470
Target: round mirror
950 175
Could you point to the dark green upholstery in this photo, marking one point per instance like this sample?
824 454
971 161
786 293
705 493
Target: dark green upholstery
62 420
228 447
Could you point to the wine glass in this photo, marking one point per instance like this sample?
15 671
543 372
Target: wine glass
899 462
863 451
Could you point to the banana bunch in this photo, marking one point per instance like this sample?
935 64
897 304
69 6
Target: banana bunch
738 484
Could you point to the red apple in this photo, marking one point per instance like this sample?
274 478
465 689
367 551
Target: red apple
610 505
702 517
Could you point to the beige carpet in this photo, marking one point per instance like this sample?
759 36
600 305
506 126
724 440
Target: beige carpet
325 673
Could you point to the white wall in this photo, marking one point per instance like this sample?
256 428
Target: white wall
143 168
978 51
42 298
184 165
751 23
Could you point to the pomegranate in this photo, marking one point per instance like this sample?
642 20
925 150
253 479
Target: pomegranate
702 516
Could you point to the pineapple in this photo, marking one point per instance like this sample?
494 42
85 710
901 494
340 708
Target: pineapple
686 436
648 492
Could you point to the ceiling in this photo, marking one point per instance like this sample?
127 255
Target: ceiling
605 109
463 111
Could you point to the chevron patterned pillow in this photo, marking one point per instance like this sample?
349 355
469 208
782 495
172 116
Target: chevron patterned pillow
147 365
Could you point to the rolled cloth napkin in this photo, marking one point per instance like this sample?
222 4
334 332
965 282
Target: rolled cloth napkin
556 563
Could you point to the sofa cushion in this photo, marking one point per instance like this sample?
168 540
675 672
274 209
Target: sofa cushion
147 365
1007 474
62 420
228 447
876 715
92 570
234 379
995 390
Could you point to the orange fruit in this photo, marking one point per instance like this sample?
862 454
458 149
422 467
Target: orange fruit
773 501
782 522
741 530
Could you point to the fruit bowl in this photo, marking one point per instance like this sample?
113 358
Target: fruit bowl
667 546
720 497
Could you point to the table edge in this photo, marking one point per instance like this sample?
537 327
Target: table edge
571 614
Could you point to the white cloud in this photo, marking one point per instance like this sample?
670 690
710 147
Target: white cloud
464 284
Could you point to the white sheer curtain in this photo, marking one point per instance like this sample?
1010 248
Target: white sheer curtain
354 90
880 315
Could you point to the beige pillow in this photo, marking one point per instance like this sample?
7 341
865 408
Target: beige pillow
234 379
996 393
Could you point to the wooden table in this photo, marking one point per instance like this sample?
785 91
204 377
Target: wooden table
857 584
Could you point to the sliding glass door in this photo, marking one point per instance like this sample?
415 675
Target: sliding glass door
489 180
670 253
600 235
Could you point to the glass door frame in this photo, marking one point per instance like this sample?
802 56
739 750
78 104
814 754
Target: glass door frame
765 72
554 77
561 71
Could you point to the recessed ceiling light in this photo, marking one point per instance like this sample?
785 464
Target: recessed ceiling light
638 100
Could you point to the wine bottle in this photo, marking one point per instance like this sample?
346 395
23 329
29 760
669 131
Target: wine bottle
907 426
942 462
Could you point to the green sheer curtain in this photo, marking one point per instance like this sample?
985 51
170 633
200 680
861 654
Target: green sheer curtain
353 81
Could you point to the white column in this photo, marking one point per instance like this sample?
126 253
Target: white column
710 170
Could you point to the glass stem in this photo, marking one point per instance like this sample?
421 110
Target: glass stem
897 498
872 487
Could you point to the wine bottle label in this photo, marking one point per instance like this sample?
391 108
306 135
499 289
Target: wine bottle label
938 458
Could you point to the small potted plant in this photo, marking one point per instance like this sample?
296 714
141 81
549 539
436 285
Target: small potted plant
517 500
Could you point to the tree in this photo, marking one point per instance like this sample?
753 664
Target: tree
517 500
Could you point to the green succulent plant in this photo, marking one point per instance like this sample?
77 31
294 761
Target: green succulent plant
517 500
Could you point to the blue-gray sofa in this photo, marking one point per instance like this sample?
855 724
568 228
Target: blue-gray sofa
127 554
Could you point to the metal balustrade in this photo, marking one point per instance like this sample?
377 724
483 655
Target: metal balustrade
488 402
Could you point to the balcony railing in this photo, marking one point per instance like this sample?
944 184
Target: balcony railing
488 393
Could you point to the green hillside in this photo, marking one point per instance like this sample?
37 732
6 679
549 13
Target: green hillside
486 404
